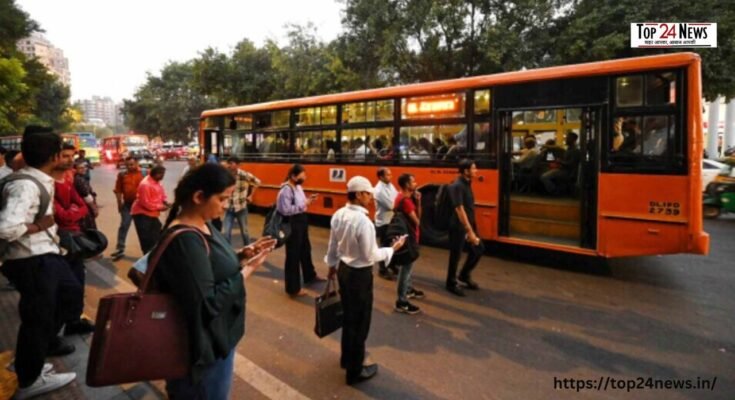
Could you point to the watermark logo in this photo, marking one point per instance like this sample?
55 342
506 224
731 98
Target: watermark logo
673 34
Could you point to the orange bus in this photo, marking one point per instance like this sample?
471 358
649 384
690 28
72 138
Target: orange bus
627 182
115 147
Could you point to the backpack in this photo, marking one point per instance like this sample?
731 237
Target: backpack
42 208
276 225
443 209
400 225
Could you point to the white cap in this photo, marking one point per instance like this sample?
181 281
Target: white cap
359 184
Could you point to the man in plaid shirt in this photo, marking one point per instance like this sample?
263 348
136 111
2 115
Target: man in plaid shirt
245 186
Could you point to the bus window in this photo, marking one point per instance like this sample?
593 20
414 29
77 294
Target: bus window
354 146
434 142
484 147
629 91
272 145
367 111
572 115
273 120
315 145
482 102
661 89
316 116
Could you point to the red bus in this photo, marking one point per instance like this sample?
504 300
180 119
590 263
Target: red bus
630 181
115 147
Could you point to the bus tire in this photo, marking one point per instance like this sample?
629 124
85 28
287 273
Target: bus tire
430 234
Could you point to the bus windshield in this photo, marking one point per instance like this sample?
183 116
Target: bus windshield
87 141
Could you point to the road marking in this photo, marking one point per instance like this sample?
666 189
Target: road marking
245 369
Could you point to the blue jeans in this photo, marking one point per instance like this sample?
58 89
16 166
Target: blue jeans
122 232
215 384
404 281
242 221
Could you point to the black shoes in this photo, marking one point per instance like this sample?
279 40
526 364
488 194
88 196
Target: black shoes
406 308
81 327
60 348
456 290
415 294
368 371
469 283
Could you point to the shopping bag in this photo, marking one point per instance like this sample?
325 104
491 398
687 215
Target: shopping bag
329 313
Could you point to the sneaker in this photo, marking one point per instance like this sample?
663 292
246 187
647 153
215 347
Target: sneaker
47 367
116 256
44 384
81 327
406 308
415 294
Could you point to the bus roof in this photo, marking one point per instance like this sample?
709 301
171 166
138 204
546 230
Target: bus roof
419 89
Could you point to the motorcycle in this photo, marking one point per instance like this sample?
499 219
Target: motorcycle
719 198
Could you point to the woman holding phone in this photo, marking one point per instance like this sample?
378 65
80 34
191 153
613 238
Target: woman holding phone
206 277
292 203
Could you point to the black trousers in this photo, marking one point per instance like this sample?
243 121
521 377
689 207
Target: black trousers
49 296
457 242
356 291
148 230
298 254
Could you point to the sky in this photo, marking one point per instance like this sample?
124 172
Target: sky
112 44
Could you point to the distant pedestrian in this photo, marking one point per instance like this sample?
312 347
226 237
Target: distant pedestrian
34 265
69 212
84 189
463 230
245 186
207 281
149 202
126 189
385 195
292 203
408 202
82 156
351 253
10 163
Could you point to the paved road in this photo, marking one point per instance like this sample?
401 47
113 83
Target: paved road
537 317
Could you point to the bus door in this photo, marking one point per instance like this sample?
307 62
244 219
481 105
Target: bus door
548 181
213 143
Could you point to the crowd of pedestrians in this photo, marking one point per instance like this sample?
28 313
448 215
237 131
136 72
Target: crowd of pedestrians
200 267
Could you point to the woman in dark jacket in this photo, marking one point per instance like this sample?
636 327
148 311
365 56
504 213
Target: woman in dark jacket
208 282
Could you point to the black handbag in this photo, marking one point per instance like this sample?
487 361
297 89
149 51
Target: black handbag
82 245
277 226
329 313
399 226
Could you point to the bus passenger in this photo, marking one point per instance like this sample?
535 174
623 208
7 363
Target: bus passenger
463 230
351 253
208 282
385 195
292 203
408 202
568 165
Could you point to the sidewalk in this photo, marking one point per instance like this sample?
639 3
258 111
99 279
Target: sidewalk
76 362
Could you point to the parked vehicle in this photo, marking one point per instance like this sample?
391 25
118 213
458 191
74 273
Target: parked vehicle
719 198
173 152
146 159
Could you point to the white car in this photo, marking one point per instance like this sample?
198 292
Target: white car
710 170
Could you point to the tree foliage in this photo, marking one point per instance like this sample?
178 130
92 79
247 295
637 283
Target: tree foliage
28 93
389 42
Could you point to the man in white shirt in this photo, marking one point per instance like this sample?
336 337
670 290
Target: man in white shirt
34 265
385 195
353 248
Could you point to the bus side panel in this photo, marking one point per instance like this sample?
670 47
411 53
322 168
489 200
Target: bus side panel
485 188
643 215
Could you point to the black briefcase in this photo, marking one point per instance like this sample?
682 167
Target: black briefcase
328 310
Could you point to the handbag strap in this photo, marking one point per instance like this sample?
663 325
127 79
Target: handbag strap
155 257
331 284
